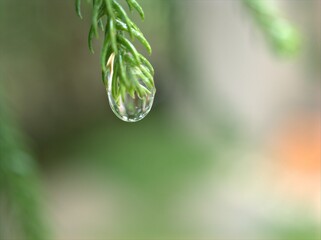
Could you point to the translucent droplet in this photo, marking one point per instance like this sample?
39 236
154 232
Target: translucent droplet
129 107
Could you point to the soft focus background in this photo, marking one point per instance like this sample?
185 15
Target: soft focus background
230 150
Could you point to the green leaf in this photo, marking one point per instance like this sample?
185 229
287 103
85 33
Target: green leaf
115 83
109 8
90 38
124 16
96 15
101 24
122 71
129 46
113 37
148 81
141 71
146 72
147 63
142 91
78 8
122 26
105 53
134 4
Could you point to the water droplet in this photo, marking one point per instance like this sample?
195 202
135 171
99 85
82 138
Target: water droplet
129 107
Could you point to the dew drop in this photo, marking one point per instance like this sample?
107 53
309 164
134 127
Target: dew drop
129 107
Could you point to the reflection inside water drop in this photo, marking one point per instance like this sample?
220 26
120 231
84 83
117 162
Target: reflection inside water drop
131 108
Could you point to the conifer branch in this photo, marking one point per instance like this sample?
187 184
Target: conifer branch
282 35
131 71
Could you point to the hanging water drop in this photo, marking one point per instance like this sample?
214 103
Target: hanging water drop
129 106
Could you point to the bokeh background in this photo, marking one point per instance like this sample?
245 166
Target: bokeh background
230 150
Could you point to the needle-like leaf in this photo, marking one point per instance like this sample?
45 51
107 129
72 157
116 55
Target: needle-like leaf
78 8
134 4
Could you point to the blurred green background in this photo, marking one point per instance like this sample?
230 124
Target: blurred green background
230 150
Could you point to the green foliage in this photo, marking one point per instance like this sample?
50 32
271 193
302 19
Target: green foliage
18 183
284 37
130 71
